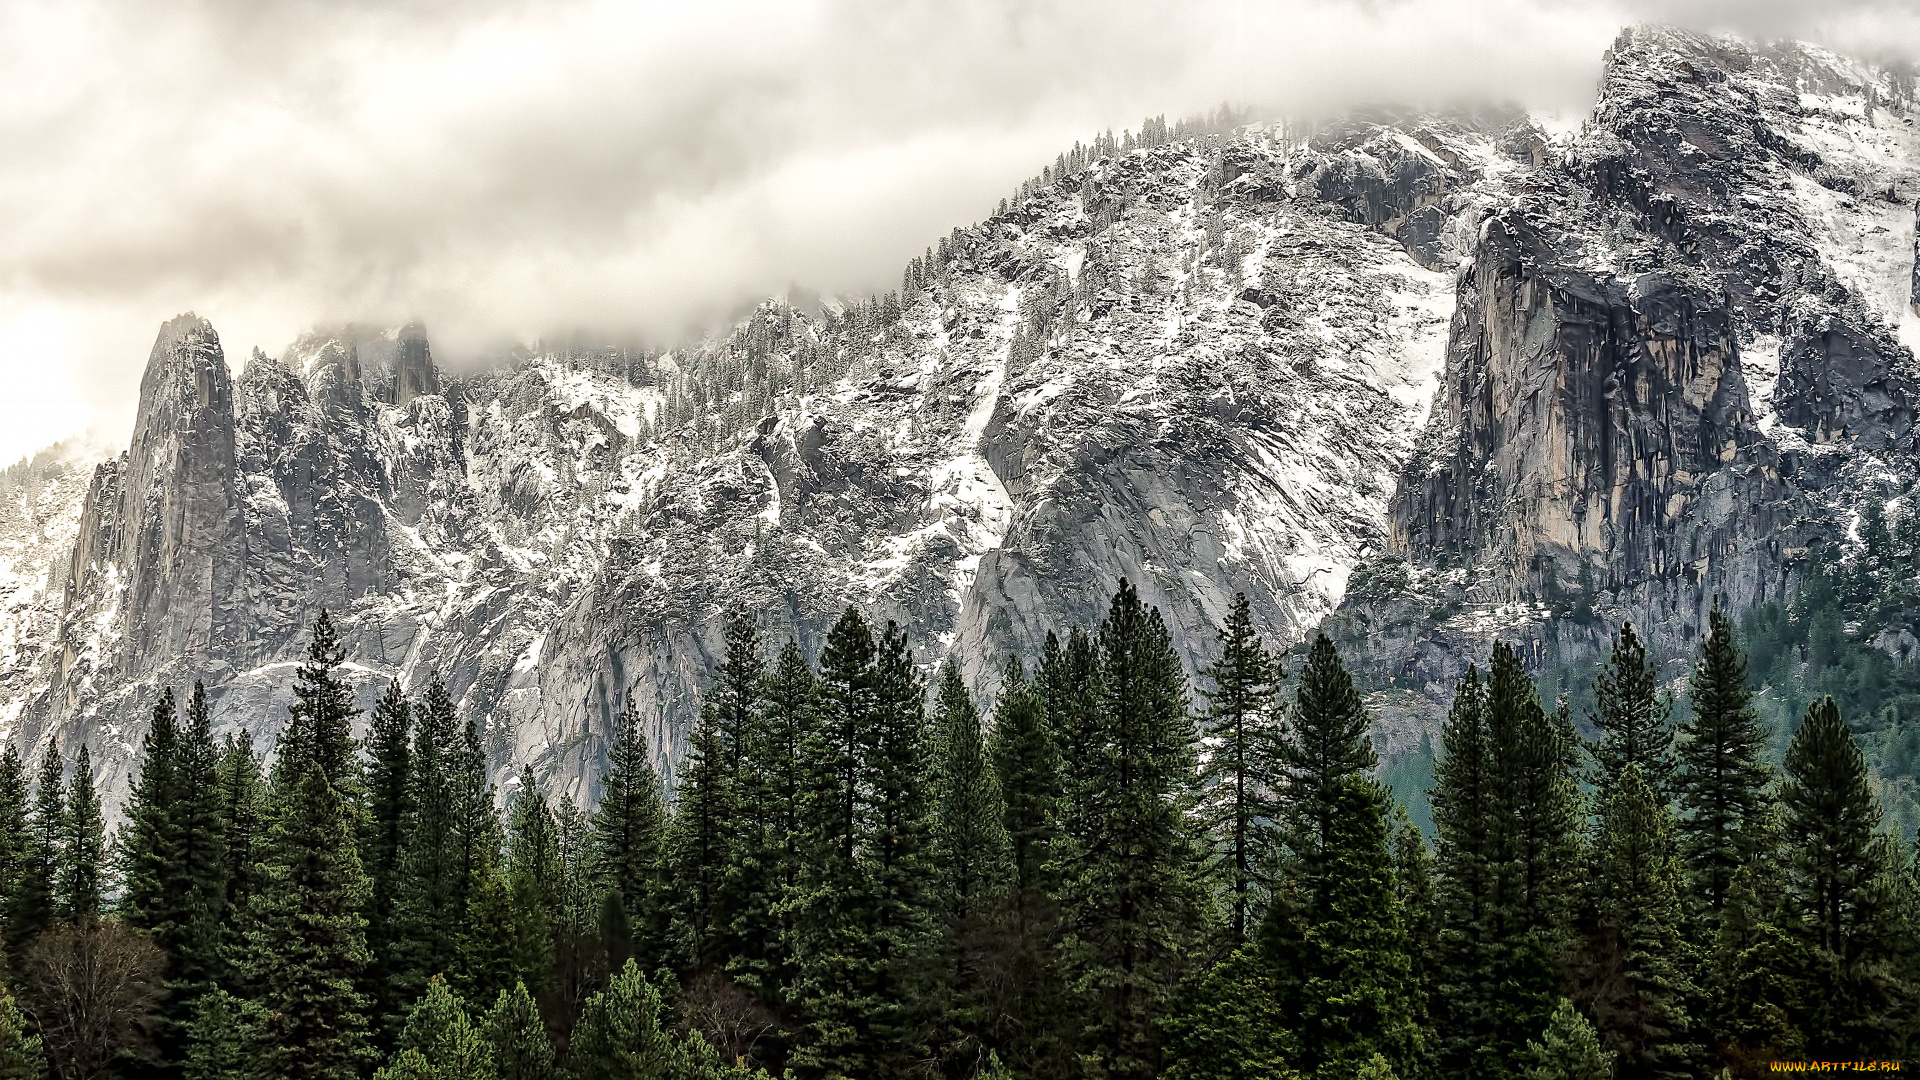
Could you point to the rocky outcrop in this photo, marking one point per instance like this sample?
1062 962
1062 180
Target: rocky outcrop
1915 292
161 543
1661 389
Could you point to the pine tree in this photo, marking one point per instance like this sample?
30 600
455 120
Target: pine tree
1568 1049
1638 971
518 1037
736 696
629 837
441 1042
200 875
1325 742
149 844
33 907
535 881
1834 881
622 1035
389 816
1722 780
1131 894
220 1039
833 942
21 1056
242 825
1535 844
897 846
973 868
477 842
1632 718
431 886
971 855
173 855
83 845
1240 771
1351 966
773 793
1756 979
1413 872
703 818
13 841
1026 761
1463 865
306 942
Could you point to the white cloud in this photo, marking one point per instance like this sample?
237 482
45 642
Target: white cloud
507 168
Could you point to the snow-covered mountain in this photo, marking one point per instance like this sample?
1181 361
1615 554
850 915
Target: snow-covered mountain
1486 368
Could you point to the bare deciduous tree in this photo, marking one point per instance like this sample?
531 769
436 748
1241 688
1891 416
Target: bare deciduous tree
95 986
730 1016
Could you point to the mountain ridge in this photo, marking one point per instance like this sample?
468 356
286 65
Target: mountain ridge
1259 361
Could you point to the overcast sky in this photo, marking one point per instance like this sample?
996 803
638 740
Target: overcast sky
503 169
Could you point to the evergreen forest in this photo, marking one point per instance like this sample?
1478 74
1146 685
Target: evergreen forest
865 871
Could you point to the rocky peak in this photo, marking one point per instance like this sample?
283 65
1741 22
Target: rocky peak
413 372
161 540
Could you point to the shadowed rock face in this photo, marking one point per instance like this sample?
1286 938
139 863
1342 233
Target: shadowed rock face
1667 377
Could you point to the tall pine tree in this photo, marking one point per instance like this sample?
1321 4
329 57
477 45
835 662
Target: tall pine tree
14 834
1241 769
35 905
1722 780
389 816
1836 870
1131 892
629 835
306 943
83 845
1632 717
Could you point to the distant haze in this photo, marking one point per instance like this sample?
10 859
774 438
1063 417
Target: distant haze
505 170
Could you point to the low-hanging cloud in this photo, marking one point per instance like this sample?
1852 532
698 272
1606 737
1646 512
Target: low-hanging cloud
506 168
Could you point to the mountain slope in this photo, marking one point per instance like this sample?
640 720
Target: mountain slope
1663 359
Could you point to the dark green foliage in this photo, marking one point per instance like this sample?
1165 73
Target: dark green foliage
1241 770
306 941
629 837
863 892
1026 761
1326 740
1837 891
21 1056
220 1038
32 907
1568 1049
241 808
624 1035
1632 717
897 845
173 853
1722 779
765 869
389 815
971 854
973 870
1413 873
1131 893
1338 943
518 1037
431 885
13 839
1506 814
1640 956
699 843
441 1042
83 845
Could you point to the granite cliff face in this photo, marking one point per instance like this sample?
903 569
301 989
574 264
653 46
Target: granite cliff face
1442 378
1680 359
